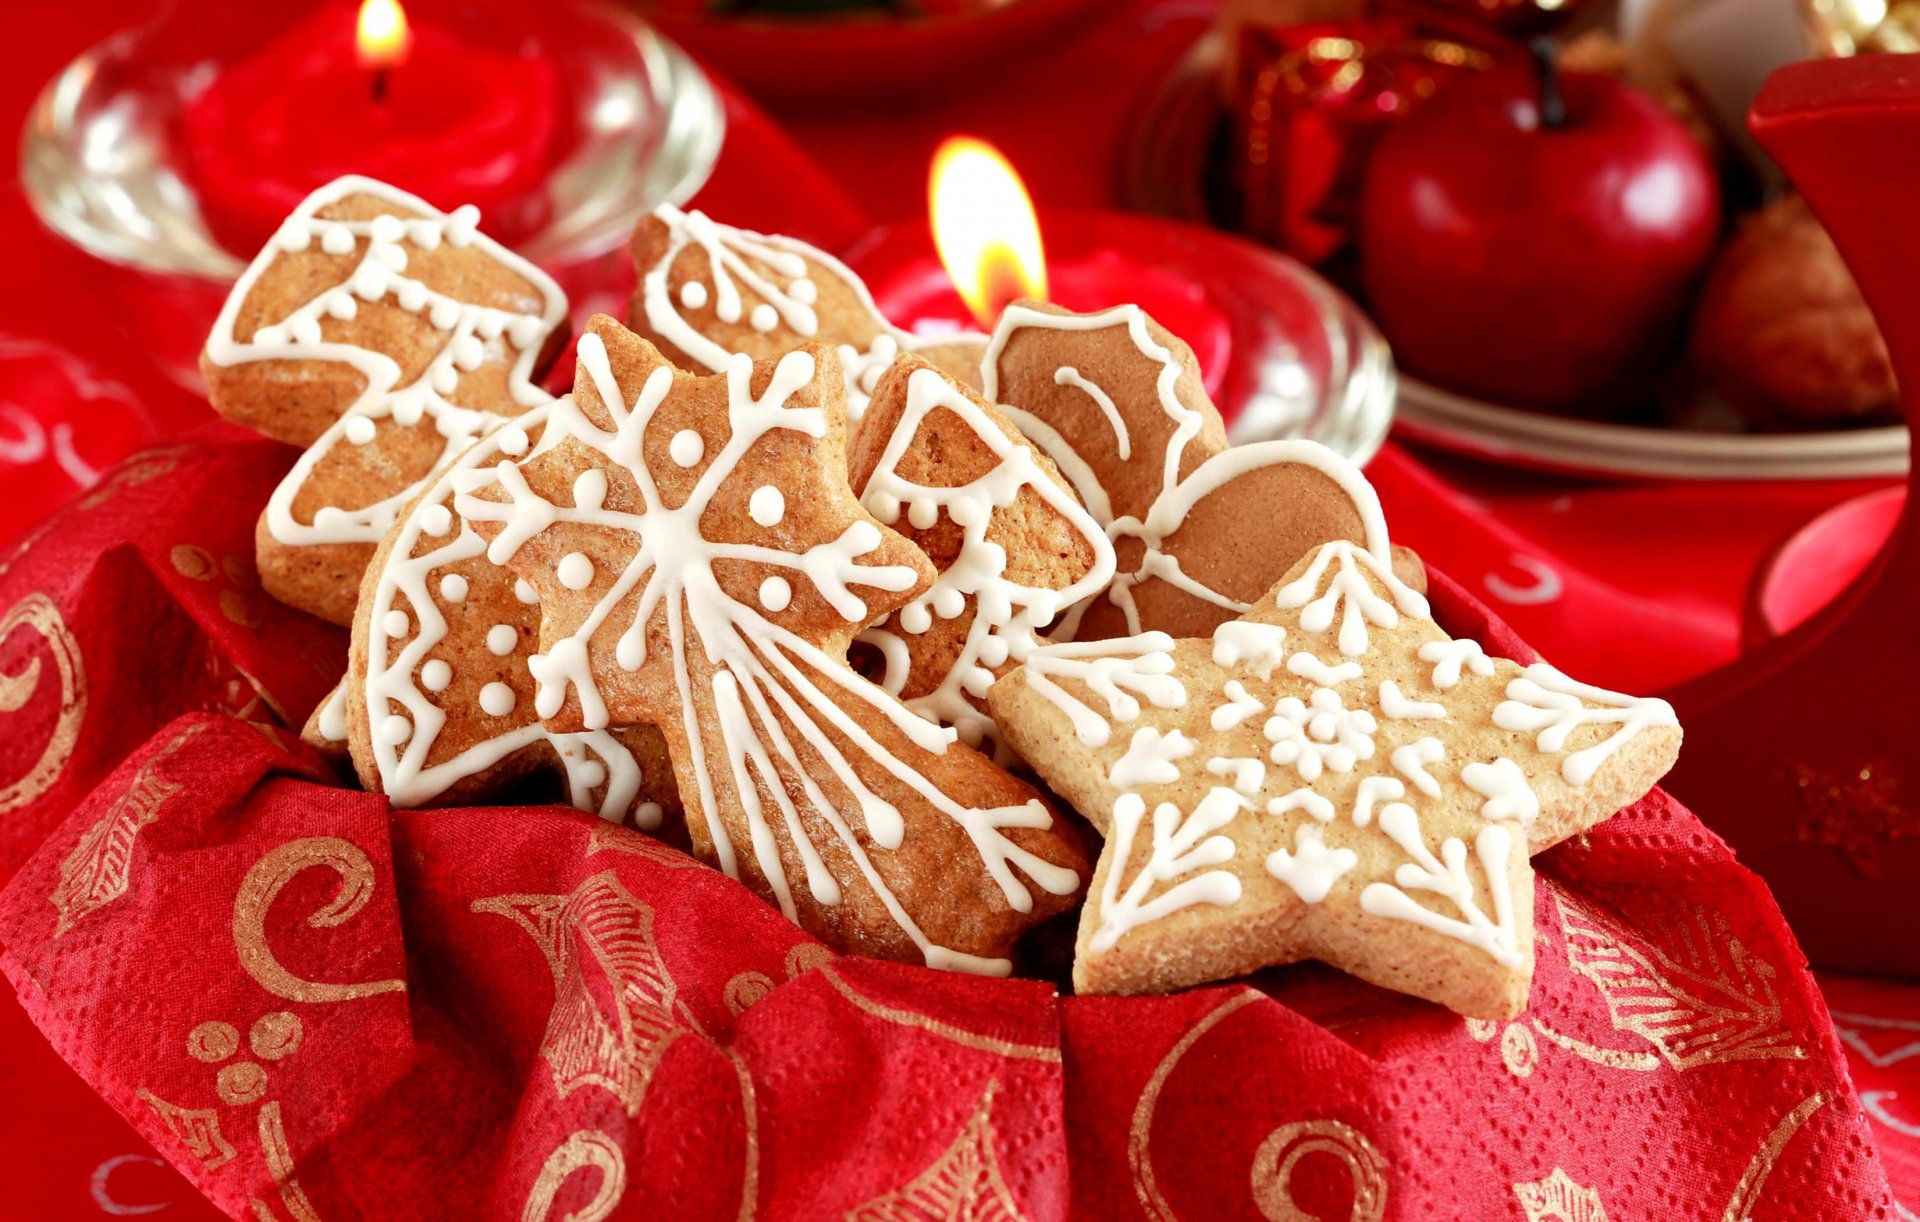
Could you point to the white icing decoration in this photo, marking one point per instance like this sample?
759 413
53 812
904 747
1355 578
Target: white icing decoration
405 776
1318 733
332 722
1549 705
1449 657
1312 868
1509 798
767 688
525 592
502 639
1316 805
453 587
775 594
686 447
1257 647
787 296
1313 670
590 489
496 699
767 505
1067 375
380 275
575 571
1245 775
1238 708
1149 758
395 623
1412 759
1180 846
1446 877
1177 496
1349 591
1008 616
1397 707
1117 670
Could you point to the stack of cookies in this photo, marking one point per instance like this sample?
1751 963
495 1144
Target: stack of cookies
892 630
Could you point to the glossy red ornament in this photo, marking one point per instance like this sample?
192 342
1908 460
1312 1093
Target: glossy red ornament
1549 266
1310 103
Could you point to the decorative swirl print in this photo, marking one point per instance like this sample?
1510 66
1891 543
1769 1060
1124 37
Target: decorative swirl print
263 884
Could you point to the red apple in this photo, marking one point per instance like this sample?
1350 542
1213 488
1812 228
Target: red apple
1533 262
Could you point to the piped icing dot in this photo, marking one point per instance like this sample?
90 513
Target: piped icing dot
767 505
775 594
524 592
445 313
514 441
693 294
590 489
496 700
453 588
342 306
360 430
501 638
436 519
396 623
686 447
763 318
395 729
575 571
435 674
336 241
387 228
803 291
590 773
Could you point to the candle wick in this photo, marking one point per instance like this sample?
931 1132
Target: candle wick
379 85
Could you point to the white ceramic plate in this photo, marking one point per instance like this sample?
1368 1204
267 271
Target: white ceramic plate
1455 422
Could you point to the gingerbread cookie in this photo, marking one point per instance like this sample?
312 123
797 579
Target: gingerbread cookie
1200 528
1011 544
439 704
1328 777
701 565
708 291
383 336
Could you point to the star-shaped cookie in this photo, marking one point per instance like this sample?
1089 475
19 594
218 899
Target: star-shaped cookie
1201 528
383 336
1330 776
1011 544
708 291
701 565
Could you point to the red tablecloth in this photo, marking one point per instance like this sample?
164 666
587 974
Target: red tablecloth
74 398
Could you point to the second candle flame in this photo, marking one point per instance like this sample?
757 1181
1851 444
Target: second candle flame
381 34
985 228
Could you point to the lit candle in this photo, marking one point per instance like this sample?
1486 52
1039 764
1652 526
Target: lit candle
361 90
990 251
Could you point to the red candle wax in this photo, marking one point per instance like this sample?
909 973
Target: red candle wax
1094 260
456 123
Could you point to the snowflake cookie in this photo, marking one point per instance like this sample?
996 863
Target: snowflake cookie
702 565
708 291
1328 777
383 336
1201 528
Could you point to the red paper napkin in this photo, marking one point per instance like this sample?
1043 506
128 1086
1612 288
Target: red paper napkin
316 1007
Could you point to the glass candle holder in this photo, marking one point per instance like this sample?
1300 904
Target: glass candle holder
106 163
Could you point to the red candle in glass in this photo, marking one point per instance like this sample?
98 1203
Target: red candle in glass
453 121
989 252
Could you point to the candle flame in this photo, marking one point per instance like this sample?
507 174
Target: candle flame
381 35
985 227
